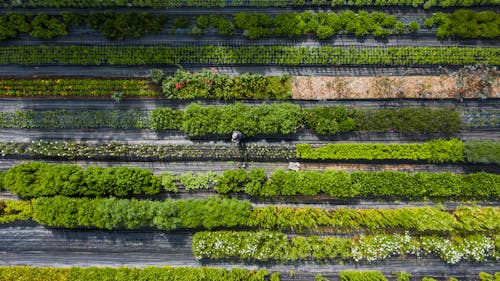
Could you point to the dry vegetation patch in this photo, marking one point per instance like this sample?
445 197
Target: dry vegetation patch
470 82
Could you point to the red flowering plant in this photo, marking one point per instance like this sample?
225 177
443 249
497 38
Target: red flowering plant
205 84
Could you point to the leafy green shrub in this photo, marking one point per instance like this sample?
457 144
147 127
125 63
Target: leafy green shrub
15 211
420 220
483 276
48 27
482 152
19 273
349 275
435 151
198 181
409 120
213 85
402 276
117 26
115 213
381 184
168 182
156 75
276 118
1 180
466 24
37 179
165 119
329 120
181 22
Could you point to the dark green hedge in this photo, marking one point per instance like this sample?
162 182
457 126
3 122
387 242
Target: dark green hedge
19 273
37 179
435 151
409 120
482 152
466 24
362 184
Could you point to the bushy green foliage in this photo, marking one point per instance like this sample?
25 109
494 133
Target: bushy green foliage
329 120
37 179
199 181
482 152
156 75
15 211
276 118
409 120
165 119
118 26
213 85
402 276
420 220
168 182
19 273
466 24
381 184
350 275
132 214
2 173
435 151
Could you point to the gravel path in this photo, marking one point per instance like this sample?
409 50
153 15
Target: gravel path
177 137
18 71
47 103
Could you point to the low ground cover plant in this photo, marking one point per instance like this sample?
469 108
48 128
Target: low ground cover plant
275 246
244 55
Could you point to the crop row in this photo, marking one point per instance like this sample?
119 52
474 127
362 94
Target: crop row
145 152
212 213
481 152
73 87
36 179
276 118
426 4
265 246
19 273
247 55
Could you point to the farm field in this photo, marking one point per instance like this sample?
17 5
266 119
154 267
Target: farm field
250 140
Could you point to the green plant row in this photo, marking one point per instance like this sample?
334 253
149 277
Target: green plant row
18 273
286 118
426 4
133 214
21 273
75 119
11 211
414 220
36 179
341 184
466 24
172 214
435 151
213 85
264 246
73 87
245 55
115 26
275 118
144 152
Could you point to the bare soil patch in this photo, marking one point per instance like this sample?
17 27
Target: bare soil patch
473 83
